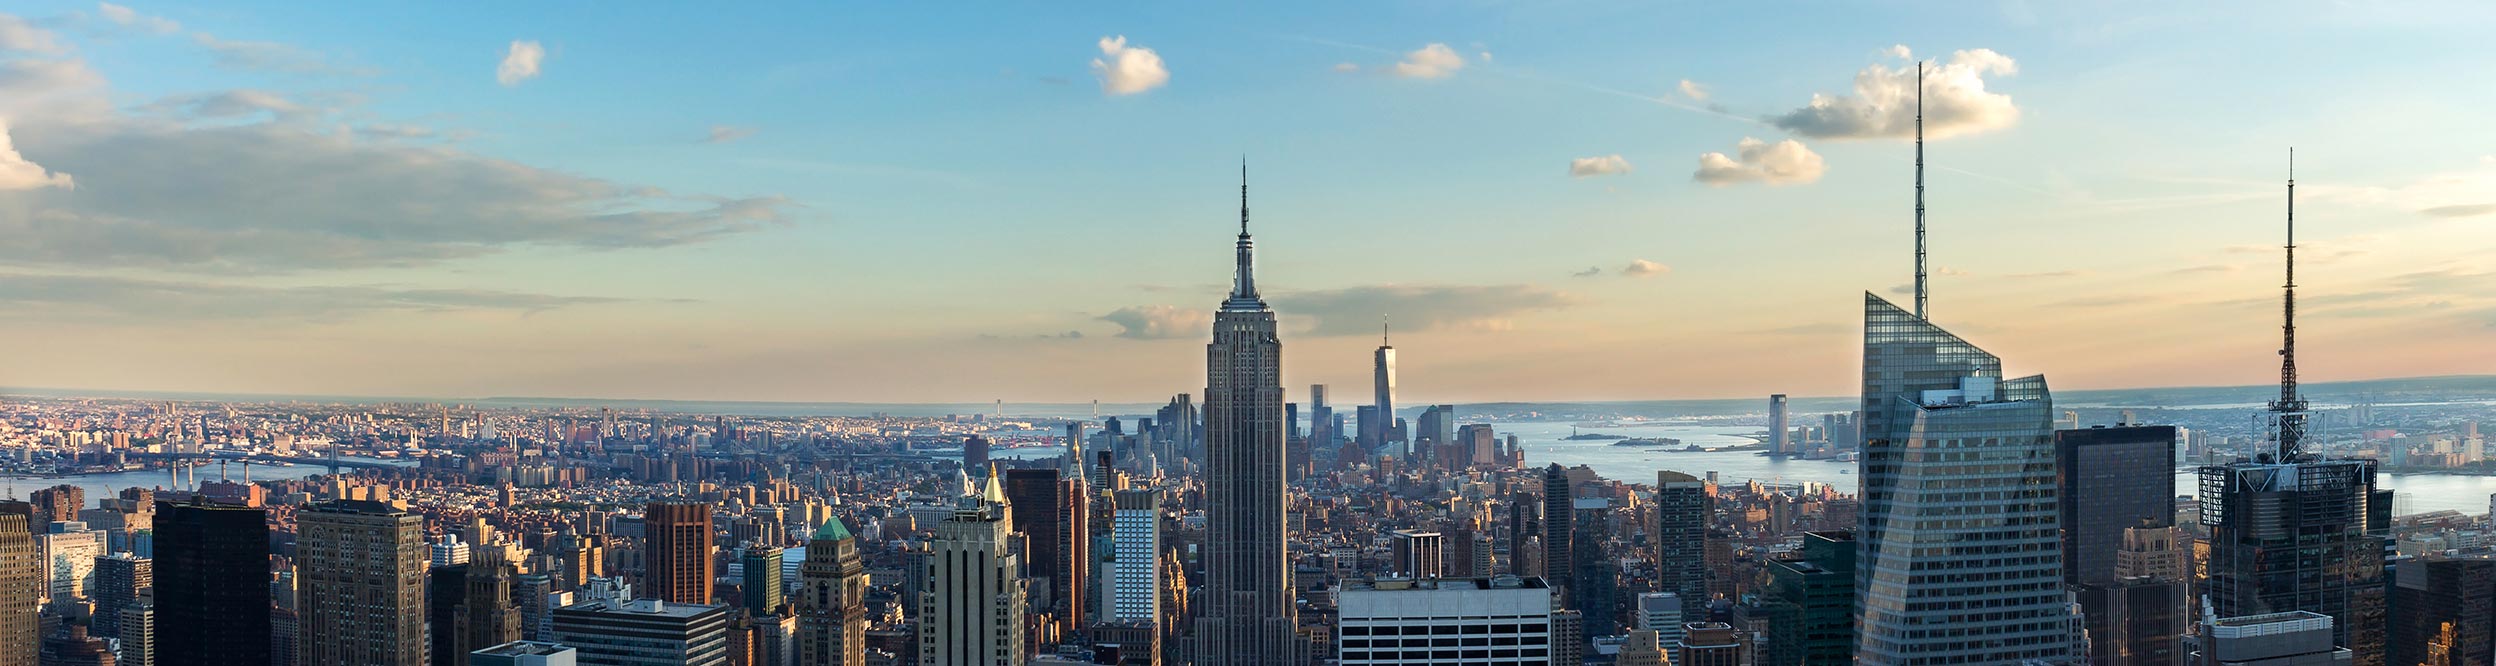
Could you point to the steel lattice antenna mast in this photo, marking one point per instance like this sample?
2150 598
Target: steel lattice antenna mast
1921 294
2290 407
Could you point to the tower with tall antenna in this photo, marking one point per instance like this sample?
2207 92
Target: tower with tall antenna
2289 409
2292 531
1247 617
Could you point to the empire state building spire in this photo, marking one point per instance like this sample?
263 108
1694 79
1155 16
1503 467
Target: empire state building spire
1244 286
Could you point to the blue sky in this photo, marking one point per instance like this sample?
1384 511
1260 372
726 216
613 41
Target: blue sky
867 202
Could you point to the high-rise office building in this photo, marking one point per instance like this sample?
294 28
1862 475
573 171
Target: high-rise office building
1684 508
1322 435
679 553
1247 616
446 587
360 580
1053 511
22 576
975 453
1643 647
1501 621
526 653
1818 583
1954 454
644 632
831 602
1417 554
2293 638
2110 480
1382 367
1661 613
212 585
2292 531
485 616
2117 490
1710 644
121 581
1434 433
1135 557
1559 528
137 635
972 612
1780 439
2435 594
69 552
760 584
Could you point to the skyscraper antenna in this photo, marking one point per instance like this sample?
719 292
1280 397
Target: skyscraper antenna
1382 330
1243 196
1921 294
2290 407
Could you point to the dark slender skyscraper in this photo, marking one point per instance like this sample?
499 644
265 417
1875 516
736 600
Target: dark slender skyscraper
1248 614
1559 523
1051 510
1683 512
212 585
2290 531
2112 479
679 552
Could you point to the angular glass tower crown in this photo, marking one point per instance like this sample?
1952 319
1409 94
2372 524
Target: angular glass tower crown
1959 556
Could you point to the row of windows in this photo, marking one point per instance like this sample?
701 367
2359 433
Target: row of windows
1444 629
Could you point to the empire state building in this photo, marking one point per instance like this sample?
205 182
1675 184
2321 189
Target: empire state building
1248 617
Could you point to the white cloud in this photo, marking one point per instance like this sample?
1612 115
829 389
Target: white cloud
520 63
1160 322
18 173
268 56
1435 61
1899 51
1643 268
1694 91
1347 67
18 35
1605 165
229 104
1127 70
1782 163
727 133
130 18
1355 310
1884 101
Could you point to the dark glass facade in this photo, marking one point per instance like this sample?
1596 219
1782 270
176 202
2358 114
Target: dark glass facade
2111 478
212 585
2304 536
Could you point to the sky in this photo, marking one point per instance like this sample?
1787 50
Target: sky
937 202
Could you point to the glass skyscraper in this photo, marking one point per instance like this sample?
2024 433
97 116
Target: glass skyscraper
1959 557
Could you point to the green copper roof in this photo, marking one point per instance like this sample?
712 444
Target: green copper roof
832 530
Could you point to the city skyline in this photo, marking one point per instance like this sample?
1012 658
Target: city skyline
939 238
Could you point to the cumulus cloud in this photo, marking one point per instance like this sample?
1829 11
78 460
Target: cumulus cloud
520 62
727 133
1754 161
129 298
1694 91
1604 165
16 35
1127 70
1883 104
1355 310
1644 268
18 173
1435 61
1160 322
130 18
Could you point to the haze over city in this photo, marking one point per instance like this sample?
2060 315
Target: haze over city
1551 202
